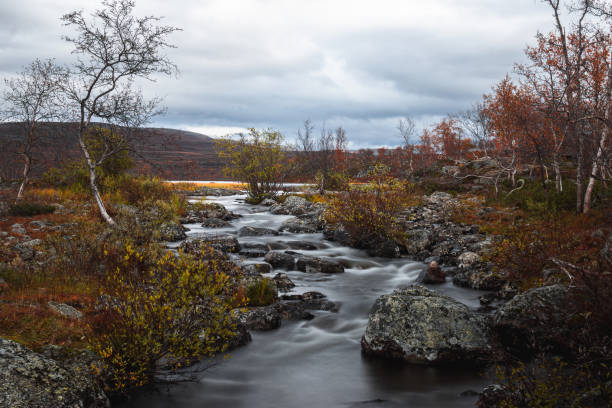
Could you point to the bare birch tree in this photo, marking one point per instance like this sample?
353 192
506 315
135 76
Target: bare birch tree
31 100
113 49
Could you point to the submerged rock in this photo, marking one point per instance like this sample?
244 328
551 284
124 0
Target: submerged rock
420 326
33 380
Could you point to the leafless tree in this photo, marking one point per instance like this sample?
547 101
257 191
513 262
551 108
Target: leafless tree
320 155
31 100
113 49
477 126
407 129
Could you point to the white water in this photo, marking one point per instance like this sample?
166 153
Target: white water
318 363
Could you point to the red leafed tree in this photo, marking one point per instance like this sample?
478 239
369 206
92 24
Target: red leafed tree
449 140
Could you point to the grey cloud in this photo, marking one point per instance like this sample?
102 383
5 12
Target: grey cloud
275 63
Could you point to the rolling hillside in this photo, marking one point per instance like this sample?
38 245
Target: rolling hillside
170 153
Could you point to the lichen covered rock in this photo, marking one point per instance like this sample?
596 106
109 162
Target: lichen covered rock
420 326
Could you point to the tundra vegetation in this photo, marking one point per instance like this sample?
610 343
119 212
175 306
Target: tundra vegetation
530 164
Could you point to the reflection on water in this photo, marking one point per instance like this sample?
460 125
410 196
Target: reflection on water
318 363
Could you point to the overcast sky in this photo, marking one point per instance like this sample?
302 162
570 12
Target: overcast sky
274 63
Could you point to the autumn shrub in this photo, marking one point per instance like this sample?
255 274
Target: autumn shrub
28 209
175 310
530 245
369 212
261 293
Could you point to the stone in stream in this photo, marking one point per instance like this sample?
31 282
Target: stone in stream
280 259
305 263
261 318
252 252
215 223
283 283
256 268
432 274
298 226
256 232
421 326
172 232
223 243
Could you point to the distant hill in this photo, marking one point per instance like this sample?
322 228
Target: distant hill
170 153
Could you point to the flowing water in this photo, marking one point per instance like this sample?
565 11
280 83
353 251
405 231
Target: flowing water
318 363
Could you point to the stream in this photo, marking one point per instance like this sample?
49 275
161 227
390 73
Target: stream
318 363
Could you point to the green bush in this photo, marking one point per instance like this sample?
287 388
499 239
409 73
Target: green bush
261 293
30 209
173 308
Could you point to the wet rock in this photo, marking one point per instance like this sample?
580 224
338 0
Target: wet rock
306 263
172 232
298 226
65 310
535 321
303 245
33 380
215 223
240 337
283 283
417 241
280 260
338 234
261 318
256 268
298 307
223 243
479 276
256 232
384 249
433 274
421 326
198 213
467 259
268 202
292 205
252 252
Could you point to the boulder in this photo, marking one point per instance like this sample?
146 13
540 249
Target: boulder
298 226
33 380
421 326
261 318
268 202
384 249
467 259
172 232
479 276
65 310
535 321
223 243
298 307
256 268
215 223
417 240
338 234
432 274
280 259
283 283
256 232
306 263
